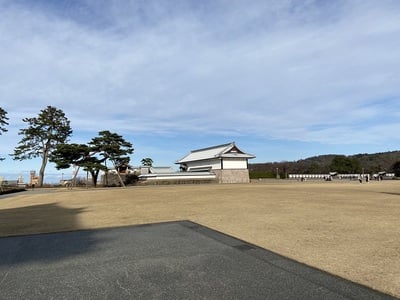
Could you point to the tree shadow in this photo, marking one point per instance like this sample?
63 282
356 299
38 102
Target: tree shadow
61 242
390 193
12 190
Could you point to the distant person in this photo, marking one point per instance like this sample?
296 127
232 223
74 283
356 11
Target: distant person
360 178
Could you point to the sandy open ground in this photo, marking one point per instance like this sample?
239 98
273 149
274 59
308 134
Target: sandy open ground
348 229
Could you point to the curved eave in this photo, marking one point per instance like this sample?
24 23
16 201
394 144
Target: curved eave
231 155
182 161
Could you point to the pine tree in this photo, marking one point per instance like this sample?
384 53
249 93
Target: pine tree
44 132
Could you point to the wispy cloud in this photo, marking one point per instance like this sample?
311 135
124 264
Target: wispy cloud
312 71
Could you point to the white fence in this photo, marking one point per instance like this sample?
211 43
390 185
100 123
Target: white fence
309 176
378 176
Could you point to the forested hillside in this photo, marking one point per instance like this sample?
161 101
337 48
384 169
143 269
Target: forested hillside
323 164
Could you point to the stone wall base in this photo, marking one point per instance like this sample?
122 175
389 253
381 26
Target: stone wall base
232 175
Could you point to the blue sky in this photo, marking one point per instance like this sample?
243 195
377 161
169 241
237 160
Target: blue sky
283 79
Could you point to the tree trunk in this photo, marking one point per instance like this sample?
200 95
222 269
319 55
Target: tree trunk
119 176
73 183
95 175
42 168
105 174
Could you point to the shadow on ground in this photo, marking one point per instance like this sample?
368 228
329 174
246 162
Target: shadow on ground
173 260
389 193
6 191
38 219
17 223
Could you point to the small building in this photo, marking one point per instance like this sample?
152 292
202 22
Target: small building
227 161
33 179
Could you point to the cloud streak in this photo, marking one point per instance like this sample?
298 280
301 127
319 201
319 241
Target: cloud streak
292 70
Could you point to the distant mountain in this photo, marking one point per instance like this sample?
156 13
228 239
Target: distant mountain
323 164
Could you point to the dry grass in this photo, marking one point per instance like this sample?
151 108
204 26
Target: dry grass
346 228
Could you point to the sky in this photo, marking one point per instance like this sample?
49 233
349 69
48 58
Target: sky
284 79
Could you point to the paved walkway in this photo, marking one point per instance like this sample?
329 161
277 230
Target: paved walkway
176 260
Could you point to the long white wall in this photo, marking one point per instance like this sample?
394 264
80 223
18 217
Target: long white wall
234 163
215 164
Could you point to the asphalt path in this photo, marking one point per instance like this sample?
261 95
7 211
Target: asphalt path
27 191
174 260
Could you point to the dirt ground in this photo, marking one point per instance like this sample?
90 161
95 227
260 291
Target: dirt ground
345 228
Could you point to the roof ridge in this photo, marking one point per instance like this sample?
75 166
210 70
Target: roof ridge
213 147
